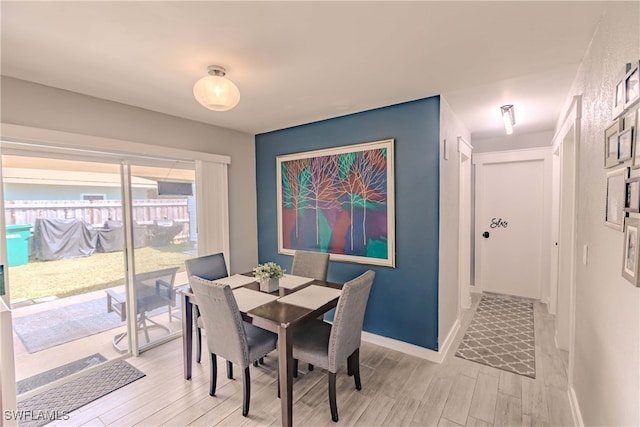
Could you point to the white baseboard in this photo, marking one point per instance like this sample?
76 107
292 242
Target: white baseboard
412 349
575 407
446 344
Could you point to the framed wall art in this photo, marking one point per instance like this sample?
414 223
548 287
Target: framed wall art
630 251
632 85
625 146
339 201
618 100
629 120
632 194
616 198
611 145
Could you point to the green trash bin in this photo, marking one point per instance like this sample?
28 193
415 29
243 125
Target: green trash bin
18 244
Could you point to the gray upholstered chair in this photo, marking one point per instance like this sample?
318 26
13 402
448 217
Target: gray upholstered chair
227 335
328 346
310 264
208 267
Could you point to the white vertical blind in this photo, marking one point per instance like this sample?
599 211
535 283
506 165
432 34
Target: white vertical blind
212 191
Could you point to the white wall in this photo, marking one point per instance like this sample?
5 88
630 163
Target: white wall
515 141
29 104
606 368
450 129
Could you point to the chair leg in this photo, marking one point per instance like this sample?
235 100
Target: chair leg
143 323
214 375
353 363
332 397
196 315
261 360
246 392
310 367
198 344
229 370
295 368
255 363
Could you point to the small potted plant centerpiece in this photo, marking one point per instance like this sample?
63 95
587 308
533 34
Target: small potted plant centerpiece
269 274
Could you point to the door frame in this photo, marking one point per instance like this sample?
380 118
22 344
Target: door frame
569 128
465 150
480 160
8 391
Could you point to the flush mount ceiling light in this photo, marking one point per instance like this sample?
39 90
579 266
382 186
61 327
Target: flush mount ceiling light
508 118
215 91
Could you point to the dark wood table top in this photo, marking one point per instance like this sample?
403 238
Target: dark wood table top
278 313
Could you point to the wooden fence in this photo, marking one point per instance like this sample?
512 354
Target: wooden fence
97 212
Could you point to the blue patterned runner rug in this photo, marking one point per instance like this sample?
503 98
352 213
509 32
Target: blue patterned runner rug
501 335
57 403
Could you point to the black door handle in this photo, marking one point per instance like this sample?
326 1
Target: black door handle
485 234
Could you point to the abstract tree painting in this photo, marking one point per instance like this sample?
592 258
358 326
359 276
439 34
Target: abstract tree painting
340 201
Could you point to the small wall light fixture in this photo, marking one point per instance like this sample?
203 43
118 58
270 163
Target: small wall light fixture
508 118
215 91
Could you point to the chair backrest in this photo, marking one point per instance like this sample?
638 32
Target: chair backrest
310 264
347 322
226 336
155 289
208 267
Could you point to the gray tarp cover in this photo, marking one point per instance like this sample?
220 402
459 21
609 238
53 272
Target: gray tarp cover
64 238
72 238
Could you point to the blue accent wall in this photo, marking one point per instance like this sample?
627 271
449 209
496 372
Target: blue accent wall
403 304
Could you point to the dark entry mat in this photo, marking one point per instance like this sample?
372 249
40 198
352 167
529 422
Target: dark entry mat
57 403
55 374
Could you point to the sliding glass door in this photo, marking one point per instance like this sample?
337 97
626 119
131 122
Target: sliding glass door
84 238
64 264
164 236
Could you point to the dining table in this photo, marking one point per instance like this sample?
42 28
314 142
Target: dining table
281 314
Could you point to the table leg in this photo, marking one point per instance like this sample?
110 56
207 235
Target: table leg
187 335
285 365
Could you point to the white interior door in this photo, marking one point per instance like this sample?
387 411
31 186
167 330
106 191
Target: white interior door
512 223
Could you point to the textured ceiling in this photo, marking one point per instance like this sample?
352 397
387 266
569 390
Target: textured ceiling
297 62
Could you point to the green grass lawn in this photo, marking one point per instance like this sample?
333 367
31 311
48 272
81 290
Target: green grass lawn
68 277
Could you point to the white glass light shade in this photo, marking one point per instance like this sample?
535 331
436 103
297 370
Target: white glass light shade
216 93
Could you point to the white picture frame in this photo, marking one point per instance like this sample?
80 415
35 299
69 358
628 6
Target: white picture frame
631 251
611 145
616 198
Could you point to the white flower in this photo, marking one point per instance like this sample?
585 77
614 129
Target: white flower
269 270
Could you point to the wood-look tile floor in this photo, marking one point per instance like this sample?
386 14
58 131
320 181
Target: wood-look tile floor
398 390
